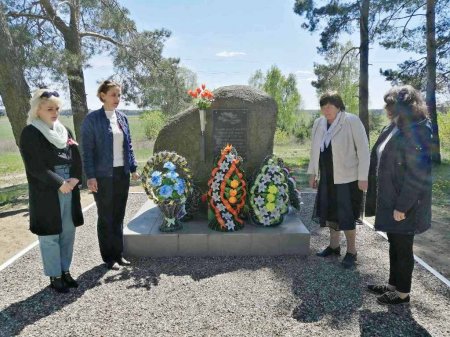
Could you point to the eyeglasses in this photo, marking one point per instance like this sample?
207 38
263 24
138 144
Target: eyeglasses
48 94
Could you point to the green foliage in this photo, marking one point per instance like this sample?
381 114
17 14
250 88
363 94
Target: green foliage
399 32
285 93
153 122
303 125
281 137
339 17
377 120
444 132
13 195
340 74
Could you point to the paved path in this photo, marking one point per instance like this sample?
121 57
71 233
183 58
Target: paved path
222 296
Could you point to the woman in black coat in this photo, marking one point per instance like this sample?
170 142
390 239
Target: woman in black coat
53 168
399 193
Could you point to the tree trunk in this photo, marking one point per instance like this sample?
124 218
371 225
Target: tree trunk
364 65
14 89
77 89
431 79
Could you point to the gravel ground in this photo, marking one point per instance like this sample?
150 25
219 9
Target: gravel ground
220 296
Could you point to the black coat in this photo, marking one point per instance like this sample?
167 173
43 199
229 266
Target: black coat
403 182
40 157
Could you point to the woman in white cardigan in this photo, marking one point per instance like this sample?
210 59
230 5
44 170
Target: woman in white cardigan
338 169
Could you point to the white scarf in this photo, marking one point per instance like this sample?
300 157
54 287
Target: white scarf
328 134
58 136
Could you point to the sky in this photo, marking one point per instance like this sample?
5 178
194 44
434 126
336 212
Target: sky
225 42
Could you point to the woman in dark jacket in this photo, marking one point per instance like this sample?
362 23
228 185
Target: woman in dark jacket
108 161
53 167
399 193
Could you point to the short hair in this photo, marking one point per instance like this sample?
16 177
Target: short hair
410 106
39 96
332 97
105 86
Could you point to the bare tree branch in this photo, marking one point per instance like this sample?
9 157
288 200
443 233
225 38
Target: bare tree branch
100 36
342 60
27 15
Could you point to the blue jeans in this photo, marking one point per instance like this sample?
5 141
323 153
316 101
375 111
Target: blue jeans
56 250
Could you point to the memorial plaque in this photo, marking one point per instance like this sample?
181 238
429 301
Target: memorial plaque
230 127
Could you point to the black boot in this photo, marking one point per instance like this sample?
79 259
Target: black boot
68 280
57 283
330 251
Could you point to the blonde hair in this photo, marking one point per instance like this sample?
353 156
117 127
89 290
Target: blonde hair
105 86
37 99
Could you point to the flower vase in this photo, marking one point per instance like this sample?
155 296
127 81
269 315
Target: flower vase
172 212
202 136
202 120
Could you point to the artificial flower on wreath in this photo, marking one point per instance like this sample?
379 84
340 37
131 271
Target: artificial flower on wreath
270 193
167 180
294 191
227 192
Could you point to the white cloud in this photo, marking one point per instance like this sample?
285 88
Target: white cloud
230 53
305 75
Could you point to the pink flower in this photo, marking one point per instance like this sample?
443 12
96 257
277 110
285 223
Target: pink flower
70 141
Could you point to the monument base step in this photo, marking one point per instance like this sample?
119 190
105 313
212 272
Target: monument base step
142 237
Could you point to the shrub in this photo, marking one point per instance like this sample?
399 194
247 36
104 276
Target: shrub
281 137
153 121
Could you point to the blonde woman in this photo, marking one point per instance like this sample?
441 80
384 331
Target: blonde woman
338 168
53 168
108 162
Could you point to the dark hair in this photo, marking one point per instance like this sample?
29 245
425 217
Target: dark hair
332 97
410 106
105 86
390 98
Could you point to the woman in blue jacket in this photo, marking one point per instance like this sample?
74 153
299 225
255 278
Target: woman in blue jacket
399 193
108 160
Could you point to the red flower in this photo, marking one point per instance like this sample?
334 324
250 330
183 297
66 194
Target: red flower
203 86
199 90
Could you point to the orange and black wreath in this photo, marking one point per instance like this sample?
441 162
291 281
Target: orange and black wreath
227 192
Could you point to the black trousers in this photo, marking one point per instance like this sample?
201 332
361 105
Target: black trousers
111 200
401 261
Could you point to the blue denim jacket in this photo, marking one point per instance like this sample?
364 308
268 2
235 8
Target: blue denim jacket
97 143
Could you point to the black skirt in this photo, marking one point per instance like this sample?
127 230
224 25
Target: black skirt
337 205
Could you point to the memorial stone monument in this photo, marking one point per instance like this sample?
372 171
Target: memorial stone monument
245 118
240 115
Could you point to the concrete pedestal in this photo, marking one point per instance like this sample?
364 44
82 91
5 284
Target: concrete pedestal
143 238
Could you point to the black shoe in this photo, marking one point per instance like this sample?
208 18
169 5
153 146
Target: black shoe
378 289
57 283
329 251
349 260
123 262
68 280
112 265
391 297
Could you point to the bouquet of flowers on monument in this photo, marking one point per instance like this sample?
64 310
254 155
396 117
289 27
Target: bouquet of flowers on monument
227 192
202 99
167 180
270 194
